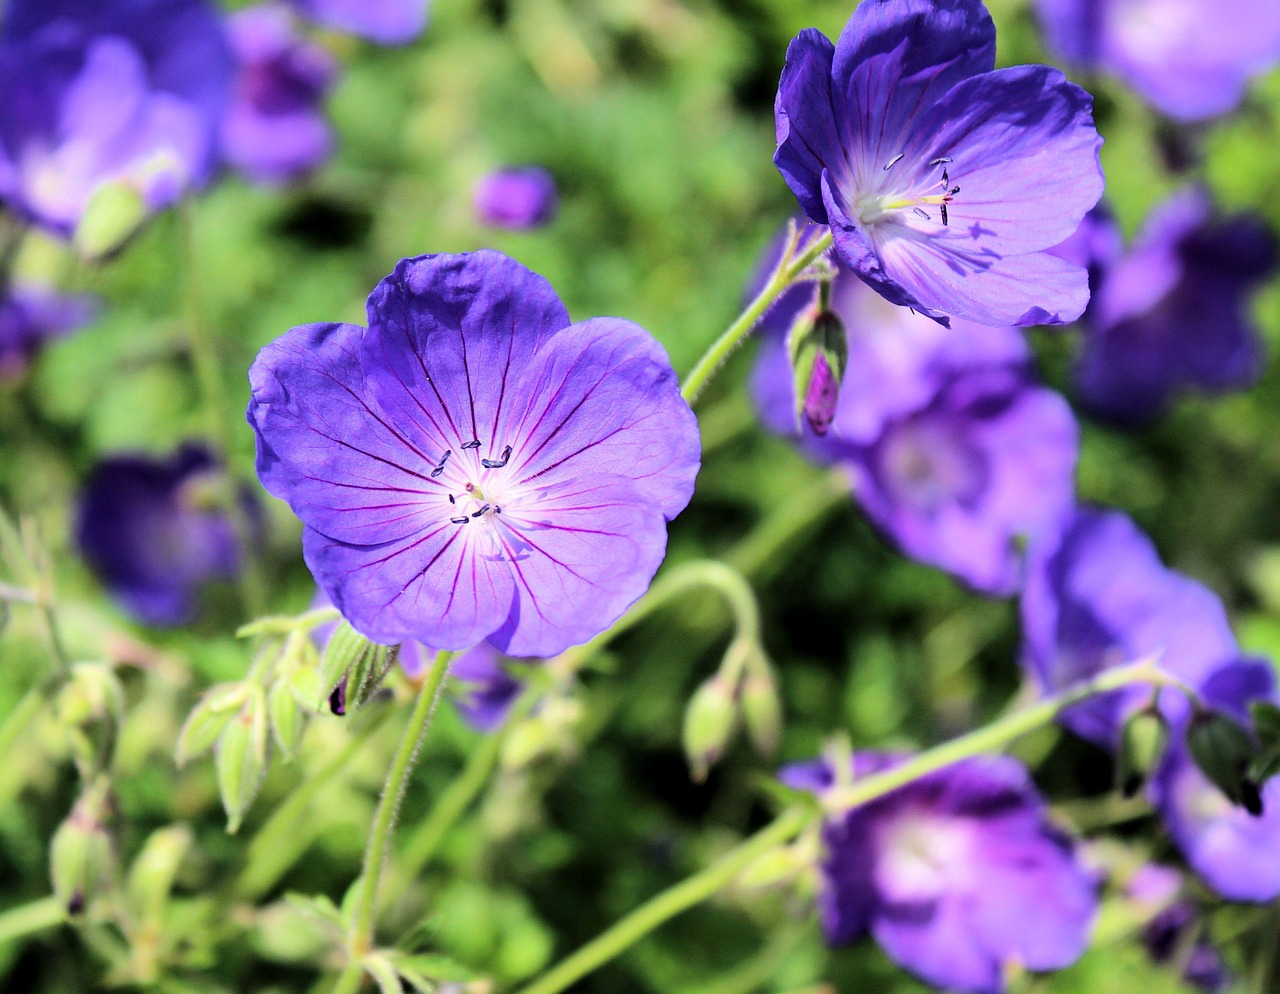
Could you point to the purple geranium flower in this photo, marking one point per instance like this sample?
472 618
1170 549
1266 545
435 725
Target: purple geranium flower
148 529
387 22
1173 311
473 465
30 316
944 180
1189 59
275 129
519 198
97 92
1234 852
957 875
1096 596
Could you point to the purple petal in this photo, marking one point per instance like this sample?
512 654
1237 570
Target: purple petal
388 22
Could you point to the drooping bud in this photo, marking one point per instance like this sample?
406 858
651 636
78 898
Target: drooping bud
209 718
241 758
709 723
1224 752
354 664
81 857
114 212
1142 743
761 707
819 353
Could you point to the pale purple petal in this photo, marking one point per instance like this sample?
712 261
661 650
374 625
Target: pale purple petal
388 22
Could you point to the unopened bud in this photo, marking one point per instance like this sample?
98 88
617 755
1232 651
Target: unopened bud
209 718
81 856
347 654
1266 728
242 758
152 873
709 723
1142 743
286 719
761 708
91 706
819 353
527 742
114 213
1223 751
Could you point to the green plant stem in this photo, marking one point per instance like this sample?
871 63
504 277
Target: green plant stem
684 895
34 917
360 937
762 553
783 276
204 359
705 883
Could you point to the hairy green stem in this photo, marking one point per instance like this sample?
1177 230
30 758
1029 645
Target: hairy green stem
789 268
28 918
360 936
657 910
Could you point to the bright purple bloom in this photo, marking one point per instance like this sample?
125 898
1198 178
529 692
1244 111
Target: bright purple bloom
473 465
1174 311
95 92
943 179
149 529
520 198
387 22
30 316
957 875
1188 58
1097 596
1234 852
275 129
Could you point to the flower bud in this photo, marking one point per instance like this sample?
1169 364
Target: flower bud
709 723
241 758
114 212
153 870
81 857
761 707
527 742
1142 743
819 352
208 719
1224 751
347 653
90 705
287 721
1266 727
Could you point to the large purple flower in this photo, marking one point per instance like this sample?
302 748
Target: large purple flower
1097 596
943 179
32 315
1188 58
150 532
472 465
1173 311
957 875
388 22
275 129
97 92
1234 852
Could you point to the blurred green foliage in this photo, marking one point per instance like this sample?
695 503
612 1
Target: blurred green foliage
655 116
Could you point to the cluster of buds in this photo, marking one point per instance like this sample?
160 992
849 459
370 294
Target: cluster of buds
744 690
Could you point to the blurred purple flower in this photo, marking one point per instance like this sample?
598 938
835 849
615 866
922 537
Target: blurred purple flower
1167 932
519 198
943 179
1173 311
30 316
1234 852
957 875
1097 596
387 22
275 129
96 92
474 466
1189 59
149 531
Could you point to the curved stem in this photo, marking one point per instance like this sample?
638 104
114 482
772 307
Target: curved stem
360 937
34 917
684 895
784 275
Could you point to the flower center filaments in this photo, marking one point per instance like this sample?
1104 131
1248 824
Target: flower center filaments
920 855
882 198
473 487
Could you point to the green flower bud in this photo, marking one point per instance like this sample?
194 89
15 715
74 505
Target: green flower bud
762 708
152 873
527 742
709 723
287 721
1142 744
1224 752
82 862
819 352
90 706
1266 726
241 758
348 654
114 213
209 718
